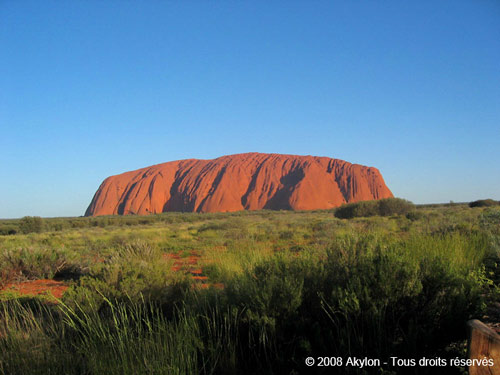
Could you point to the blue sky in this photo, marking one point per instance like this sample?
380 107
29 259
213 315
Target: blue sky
90 89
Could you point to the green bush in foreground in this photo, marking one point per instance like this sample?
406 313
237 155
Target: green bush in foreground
382 207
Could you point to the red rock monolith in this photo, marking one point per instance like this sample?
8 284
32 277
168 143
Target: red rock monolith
250 181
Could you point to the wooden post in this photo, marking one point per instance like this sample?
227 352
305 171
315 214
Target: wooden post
483 343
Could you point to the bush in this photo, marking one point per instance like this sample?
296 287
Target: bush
415 215
382 207
400 297
31 224
8 230
484 203
37 262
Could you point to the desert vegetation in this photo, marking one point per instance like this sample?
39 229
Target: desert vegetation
247 292
484 203
381 207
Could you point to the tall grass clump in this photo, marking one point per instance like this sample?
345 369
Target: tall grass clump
134 338
141 337
33 340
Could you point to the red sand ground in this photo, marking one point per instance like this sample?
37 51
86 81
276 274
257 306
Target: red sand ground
249 181
189 265
37 287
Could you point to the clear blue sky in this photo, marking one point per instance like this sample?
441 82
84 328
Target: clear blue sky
90 89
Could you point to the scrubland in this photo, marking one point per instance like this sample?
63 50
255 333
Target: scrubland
246 292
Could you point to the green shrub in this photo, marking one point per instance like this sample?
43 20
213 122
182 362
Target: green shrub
382 207
489 220
407 297
8 230
484 203
394 206
415 215
31 224
36 262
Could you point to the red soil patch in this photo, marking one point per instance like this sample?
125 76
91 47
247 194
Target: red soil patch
192 260
206 286
98 259
171 256
183 263
37 287
200 286
200 277
218 285
186 264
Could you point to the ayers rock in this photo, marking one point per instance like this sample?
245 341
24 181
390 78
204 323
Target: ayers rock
249 181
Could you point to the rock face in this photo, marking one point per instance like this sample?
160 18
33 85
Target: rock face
249 181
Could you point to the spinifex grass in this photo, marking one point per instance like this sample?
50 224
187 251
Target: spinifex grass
34 340
134 338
